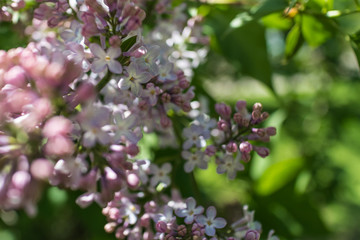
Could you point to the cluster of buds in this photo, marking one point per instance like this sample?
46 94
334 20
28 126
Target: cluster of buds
231 139
8 8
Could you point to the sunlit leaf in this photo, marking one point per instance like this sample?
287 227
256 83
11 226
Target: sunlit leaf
278 175
293 41
315 30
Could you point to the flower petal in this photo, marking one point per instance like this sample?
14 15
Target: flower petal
98 65
189 166
201 220
219 222
210 231
166 168
190 203
115 66
97 51
113 52
211 212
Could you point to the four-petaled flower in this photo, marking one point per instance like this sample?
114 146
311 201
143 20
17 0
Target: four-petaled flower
134 79
160 174
105 59
230 165
190 211
194 159
210 222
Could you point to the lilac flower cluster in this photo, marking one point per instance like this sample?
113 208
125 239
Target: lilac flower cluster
230 140
7 9
78 99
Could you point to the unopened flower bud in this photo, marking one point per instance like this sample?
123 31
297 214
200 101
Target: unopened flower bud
231 147
264 116
262 151
132 150
257 106
252 235
245 147
182 230
223 110
240 106
271 131
210 150
110 227
223 125
132 180
115 41
165 98
161 227
184 84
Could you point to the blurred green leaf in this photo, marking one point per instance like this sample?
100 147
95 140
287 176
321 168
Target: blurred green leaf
293 41
315 30
269 6
277 20
278 175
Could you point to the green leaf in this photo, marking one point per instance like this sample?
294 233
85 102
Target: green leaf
293 41
277 20
315 30
278 175
269 6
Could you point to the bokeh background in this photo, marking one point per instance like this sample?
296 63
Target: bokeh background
299 59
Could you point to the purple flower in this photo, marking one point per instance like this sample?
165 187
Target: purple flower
230 165
160 174
194 159
210 222
105 59
135 78
191 210
193 137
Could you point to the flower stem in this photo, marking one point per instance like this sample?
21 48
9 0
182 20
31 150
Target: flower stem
103 82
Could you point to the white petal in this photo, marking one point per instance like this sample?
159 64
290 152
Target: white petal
189 166
113 52
190 203
211 212
115 66
97 51
201 220
166 168
98 65
219 222
210 231
221 169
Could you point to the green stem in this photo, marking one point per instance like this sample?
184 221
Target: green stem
103 81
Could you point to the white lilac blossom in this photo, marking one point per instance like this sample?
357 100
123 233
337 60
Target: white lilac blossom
194 159
193 137
230 165
160 175
105 59
134 79
210 222
190 212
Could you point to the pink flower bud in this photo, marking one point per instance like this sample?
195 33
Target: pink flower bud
210 150
259 131
252 235
57 126
165 98
110 227
256 115
271 131
132 150
41 168
115 41
20 179
264 116
145 220
262 151
165 121
161 227
231 147
245 147
223 110
59 146
132 180
184 84
223 125
15 76
241 106
257 107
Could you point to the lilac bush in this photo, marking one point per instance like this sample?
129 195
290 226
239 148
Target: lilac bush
76 101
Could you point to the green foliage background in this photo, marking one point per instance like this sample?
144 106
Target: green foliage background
298 58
